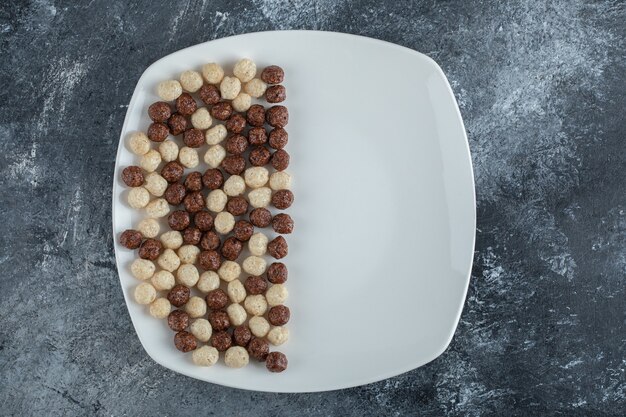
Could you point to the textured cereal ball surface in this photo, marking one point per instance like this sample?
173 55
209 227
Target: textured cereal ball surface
277 273
178 320
172 172
277 294
179 220
205 356
278 138
278 247
142 269
234 186
242 102
242 335
192 236
236 291
163 281
236 357
209 94
243 230
216 134
255 87
186 105
172 239
254 265
178 295
157 132
280 180
237 314
195 307
204 221
177 124
256 115
214 156
230 87
185 342
188 275
210 260
222 111
194 138
280 160
193 182
273 74
236 123
201 119
282 199
160 111
131 239
260 197
278 315
257 136
212 73
258 348
255 285
194 202
256 177
278 335
229 271
276 94
216 201
169 90
208 281
160 308
255 305
168 150
237 206
133 176
236 144
145 293
155 184
245 70
221 340
259 326
175 194
216 299
138 143
260 217
150 249
277 116
188 157
168 260
191 81
201 329
234 164
151 160
258 244
213 179
210 241
188 254
219 320
276 362
259 156
231 248
282 223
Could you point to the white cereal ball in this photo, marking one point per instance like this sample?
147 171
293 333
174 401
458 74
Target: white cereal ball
205 356
224 222
260 197
242 102
188 157
163 281
149 228
214 156
208 281
188 254
254 265
256 177
142 269
234 186
169 90
191 81
201 329
216 200
215 135
201 119
168 150
160 308
172 239
155 184
151 160
196 307
229 271
168 260
138 197
280 180
230 87
276 295
259 326
245 70
258 244
236 357
256 88
188 275
145 293
255 305
278 335
236 291
158 208
139 143
212 73
237 314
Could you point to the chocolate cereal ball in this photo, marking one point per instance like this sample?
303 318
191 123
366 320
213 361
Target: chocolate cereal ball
277 273
179 220
133 176
237 206
178 124
236 144
185 342
192 236
280 160
179 295
278 247
273 74
175 193
210 241
216 299
219 320
277 116
172 172
258 348
193 182
231 248
256 115
278 315
282 199
221 340
159 111
178 320
185 104
209 94
194 138
257 136
222 111
213 179
150 249
275 94
131 239
259 156
278 138
203 220
255 285
242 335
194 202
260 217
157 132
234 164
210 260
243 230
276 362
282 223
236 123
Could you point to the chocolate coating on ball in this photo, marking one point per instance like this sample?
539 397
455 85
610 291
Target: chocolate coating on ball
178 124
256 115
175 194
278 138
157 132
222 111
133 176
194 202
242 335
150 249
273 74
210 260
193 182
221 341
210 241
236 144
131 239
282 223
277 116
209 94
216 299
257 136
160 111
255 285
237 206
172 172
213 179
219 320
258 348
185 342
259 156
275 94
282 199
243 230
194 138
278 247
231 249
178 320
179 295
234 164
192 236
278 315
277 273
203 220
276 362
186 105
236 123
280 160
179 220
260 217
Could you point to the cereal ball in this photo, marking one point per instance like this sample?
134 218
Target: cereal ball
172 172
193 182
138 143
231 248
222 111
210 260
179 220
160 308
236 123
236 357
280 180
229 271
276 94
259 326
192 236
242 335
178 320
277 273
276 362
195 307
243 230
219 320
260 197
216 299
236 314
209 281
185 342
280 160
282 199
178 295
237 206
187 275
194 202
273 74
145 293
194 138
259 156
276 295
188 254
212 73
224 222
257 136
234 186
215 135
258 348
236 291
242 102
221 341
210 241
201 329
278 335
260 217
155 184
159 111
255 285
169 90
188 157
277 116
216 201
230 88
256 88
142 269
203 220
172 239
234 164
150 249
236 144
151 160
178 124
175 194
168 150
209 94
278 315
278 138
258 244
186 105
278 247
201 119
282 223
213 179
168 260
131 239
133 176
245 70
205 356
191 81
256 177
255 305
214 156
256 115
163 281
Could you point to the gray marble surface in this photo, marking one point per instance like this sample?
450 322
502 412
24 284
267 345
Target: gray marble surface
542 89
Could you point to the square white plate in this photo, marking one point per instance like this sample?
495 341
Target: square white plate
380 257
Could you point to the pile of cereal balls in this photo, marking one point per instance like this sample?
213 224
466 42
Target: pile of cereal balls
210 231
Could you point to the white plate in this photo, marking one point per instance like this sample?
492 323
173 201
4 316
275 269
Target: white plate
380 258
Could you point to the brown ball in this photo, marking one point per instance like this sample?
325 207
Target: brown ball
242 335
194 202
175 193
216 299
260 217
237 206
257 136
185 342
179 295
213 179
178 320
277 116
236 144
150 249
275 94
194 138
160 111
178 124
221 341
236 123
255 285
186 105
280 160
210 260
278 247
259 156
209 94
219 320
157 132
222 111
278 138
131 239
192 236
258 348
278 315
273 74
282 199
172 172
234 164
231 248
210 241
193 182
256 115
277 273
133 176
243 230
276 362
282 223
203 220
178 220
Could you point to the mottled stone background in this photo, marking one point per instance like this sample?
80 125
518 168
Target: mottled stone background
542 89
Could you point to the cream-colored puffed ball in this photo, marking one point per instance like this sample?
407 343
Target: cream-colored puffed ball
145 293
260 197
139 143
142 269
208 281
255 305
230 87
188 157
242 102
201 329
256 177
245 70
259 326
212 73
236 357
256 88
172 239
151 160
155 184
236 291
138 197
216 200
214 156
168 260
229 271
234 186
196 307
278 335
160 308
168 150
163 280
258 244
224 222
280 180
205 356
169 90
215 135
191 81
276 295
201 119
254 265
188 275
237 314
149 228
158 208
188 254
